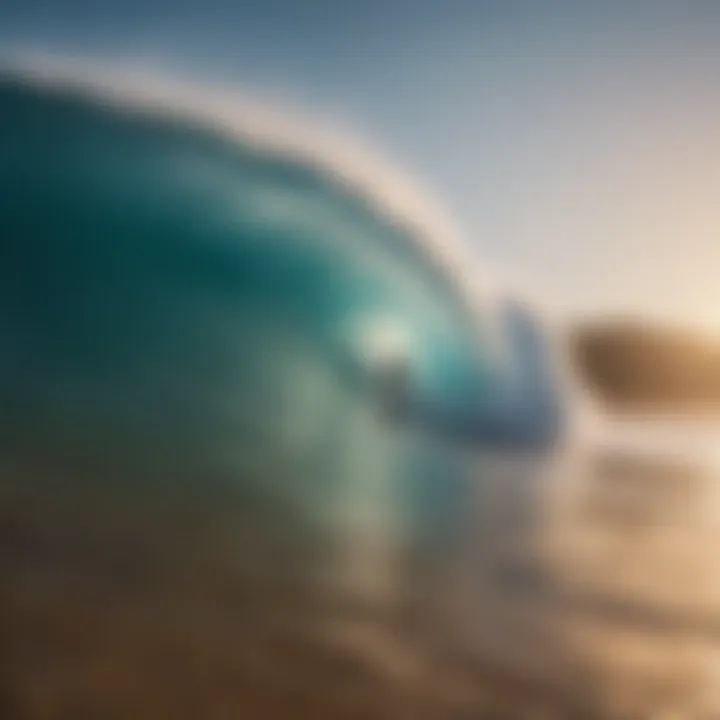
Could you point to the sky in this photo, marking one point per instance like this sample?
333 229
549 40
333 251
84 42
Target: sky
575 144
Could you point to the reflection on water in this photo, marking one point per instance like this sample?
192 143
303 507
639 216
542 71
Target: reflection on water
635 553
112 599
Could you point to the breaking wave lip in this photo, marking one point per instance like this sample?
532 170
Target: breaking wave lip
239 117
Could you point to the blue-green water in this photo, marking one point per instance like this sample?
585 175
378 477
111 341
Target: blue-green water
174 297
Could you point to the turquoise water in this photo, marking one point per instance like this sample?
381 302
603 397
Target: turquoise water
172 297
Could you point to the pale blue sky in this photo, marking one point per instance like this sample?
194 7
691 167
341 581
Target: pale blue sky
576 142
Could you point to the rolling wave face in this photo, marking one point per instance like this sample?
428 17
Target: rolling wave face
189 310
132 239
